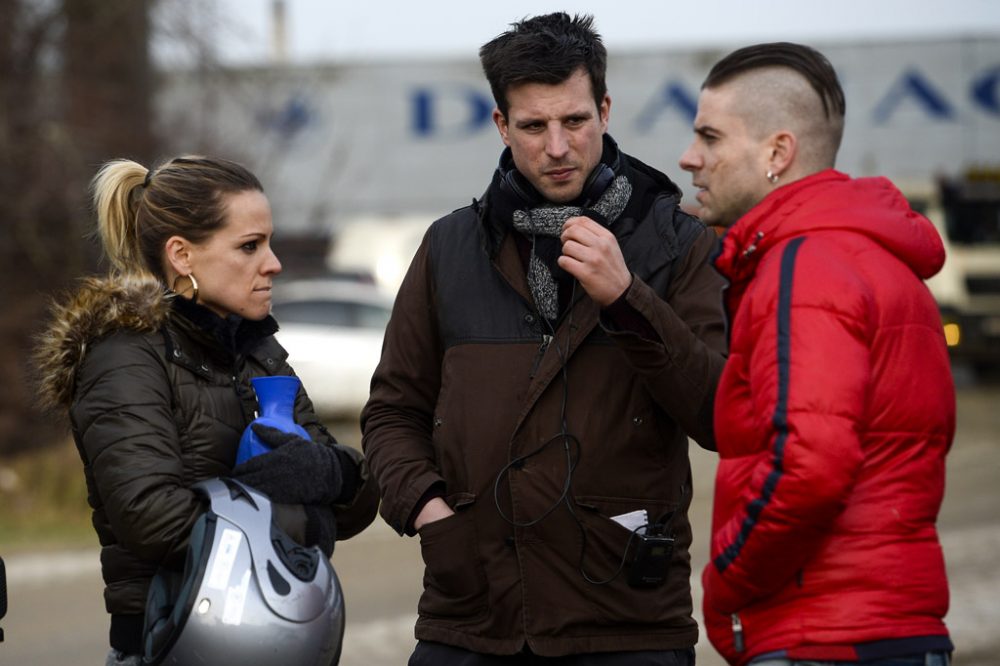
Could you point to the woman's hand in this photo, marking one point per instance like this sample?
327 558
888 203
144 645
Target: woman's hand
294 471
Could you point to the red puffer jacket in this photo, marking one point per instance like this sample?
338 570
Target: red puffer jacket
833 417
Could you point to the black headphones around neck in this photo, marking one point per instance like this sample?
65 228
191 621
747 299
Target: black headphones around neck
514 184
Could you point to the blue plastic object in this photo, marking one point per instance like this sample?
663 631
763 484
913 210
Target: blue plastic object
276 399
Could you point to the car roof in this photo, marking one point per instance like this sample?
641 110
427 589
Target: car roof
330 289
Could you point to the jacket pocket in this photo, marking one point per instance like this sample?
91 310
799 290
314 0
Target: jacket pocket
454 578
608 544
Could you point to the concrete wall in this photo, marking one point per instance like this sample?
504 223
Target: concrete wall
333 142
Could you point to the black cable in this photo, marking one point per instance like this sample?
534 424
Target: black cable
570 465
564 434
568 440
583 551
3 594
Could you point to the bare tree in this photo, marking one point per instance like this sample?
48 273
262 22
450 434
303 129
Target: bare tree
76 87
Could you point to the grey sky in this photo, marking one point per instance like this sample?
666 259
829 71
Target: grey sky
331 30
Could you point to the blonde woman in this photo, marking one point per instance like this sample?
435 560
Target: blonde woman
153 363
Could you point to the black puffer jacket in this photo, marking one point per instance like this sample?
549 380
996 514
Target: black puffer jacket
158 392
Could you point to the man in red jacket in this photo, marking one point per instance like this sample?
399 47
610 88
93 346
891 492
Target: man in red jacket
836 406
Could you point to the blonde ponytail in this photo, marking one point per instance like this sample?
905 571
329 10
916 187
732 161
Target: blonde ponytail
138 209
118 190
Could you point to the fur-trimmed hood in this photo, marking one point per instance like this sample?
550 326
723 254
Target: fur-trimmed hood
100 306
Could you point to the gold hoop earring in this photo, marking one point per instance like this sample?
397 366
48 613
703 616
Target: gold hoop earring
194 286
772 177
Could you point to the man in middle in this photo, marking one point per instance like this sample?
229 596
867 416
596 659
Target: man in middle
551 349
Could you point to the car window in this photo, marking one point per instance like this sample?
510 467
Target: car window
331 313
372 316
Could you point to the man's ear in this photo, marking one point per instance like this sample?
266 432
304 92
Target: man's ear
177 252
605 112
501 122
783 148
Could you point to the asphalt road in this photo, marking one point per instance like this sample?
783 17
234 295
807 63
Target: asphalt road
56 614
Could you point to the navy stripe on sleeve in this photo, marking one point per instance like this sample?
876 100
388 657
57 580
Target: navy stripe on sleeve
780 418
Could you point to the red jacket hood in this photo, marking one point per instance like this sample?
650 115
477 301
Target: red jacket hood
873 207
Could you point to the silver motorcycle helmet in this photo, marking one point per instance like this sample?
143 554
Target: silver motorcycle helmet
248 594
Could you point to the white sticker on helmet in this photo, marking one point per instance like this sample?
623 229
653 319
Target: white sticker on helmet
236 600
225 557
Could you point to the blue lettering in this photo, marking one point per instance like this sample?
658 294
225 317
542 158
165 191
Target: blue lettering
986 91
455 111
421 102
672 96
289 119
913 85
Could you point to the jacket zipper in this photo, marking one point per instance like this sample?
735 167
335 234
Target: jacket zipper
250 412
753 244
546 340
738 643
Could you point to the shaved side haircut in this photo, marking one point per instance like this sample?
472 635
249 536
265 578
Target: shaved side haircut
785 85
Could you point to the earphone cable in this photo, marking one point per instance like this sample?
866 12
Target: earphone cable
568 440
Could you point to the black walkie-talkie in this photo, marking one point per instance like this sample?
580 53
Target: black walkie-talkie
651 561
3 595
653 553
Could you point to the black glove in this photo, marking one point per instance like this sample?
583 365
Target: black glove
350 476
294 471
321 527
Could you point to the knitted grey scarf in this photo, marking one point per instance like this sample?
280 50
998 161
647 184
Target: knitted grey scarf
547 220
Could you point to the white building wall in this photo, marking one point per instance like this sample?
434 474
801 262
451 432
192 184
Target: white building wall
333 142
